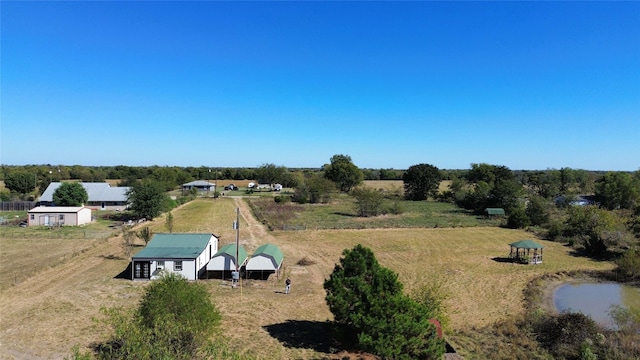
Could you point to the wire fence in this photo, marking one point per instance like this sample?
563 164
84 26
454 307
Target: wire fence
54 234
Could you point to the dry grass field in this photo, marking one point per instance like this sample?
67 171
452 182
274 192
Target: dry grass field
45 315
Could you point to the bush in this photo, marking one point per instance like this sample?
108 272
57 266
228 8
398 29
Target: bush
518 219
566 334
174 320
629 264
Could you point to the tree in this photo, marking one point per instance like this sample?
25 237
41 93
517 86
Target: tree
421 182
618 190
174 320
20 182
270 174
169 222
368 201
518 219
343 173
70 194
314 189
594 227
145 199
536 211
367 302
145 234
492 187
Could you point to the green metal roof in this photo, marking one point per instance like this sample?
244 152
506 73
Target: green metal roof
230 249
174 246
494 211
526 244
271 250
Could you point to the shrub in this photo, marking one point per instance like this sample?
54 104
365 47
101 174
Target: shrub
565 335
518 219
629 264
174 320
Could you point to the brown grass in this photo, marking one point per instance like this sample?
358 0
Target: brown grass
45 315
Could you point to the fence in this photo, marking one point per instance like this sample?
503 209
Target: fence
17 205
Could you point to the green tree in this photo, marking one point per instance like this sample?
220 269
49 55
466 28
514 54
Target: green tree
491 187
145 234
20 182
595 228
518 219
537 211
70 194
618 190
270 174
169 222
145 199
367 303
320 189
343 173
174 320
368 201
421 182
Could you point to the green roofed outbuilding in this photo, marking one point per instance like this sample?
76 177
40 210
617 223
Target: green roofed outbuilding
225 258
267 258
521 251
494 211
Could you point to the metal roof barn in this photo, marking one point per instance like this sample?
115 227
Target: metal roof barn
266 257
225 258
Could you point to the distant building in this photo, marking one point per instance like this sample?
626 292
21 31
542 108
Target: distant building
200 185
102 196
58 216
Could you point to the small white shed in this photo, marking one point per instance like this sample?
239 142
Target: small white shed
59 216
225 258
267 258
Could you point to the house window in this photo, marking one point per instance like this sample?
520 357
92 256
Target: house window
160 265
177 266
61 217
33 217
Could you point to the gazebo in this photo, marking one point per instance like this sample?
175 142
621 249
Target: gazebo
521 251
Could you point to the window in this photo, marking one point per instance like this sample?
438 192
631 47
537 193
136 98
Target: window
160 265
177 266
61 217
33 217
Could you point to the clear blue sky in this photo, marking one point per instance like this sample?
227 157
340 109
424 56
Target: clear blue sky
528 85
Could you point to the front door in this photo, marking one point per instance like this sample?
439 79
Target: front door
141 270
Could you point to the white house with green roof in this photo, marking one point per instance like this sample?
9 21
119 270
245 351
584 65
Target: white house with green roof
184 254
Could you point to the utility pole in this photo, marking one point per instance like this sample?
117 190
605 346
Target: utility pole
236 275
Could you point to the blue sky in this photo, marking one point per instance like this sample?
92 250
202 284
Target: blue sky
528 85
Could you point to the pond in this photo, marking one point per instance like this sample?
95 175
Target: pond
596 299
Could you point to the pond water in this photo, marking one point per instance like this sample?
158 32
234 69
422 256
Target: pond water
596 299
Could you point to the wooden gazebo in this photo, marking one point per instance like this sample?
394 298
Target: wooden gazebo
521 251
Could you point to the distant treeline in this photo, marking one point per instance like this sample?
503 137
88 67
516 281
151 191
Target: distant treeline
174 176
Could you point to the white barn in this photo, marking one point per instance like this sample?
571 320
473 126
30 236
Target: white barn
225 258
59 216
184 254
267 258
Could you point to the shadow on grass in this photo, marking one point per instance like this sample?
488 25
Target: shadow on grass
302 334
125 274
504 260
344 214
112 257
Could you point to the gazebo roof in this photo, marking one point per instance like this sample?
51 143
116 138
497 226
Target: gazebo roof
526 244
